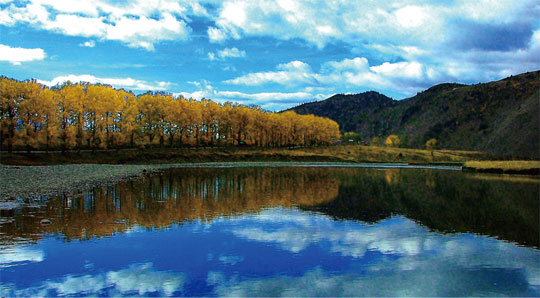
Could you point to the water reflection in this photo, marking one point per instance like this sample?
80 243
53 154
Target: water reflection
280 232
397 258
445 201
280 252
502 207
171 197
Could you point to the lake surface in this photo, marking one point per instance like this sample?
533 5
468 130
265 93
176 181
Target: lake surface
280 231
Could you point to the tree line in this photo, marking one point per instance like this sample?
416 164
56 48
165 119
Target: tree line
96 116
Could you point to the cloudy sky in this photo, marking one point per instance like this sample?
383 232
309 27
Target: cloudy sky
271 53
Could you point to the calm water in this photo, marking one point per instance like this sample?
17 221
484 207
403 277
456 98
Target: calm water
285 231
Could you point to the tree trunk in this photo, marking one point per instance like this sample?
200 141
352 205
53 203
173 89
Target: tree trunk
79 133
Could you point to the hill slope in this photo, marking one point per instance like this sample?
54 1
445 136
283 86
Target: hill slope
501 117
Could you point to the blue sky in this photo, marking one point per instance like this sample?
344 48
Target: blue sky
275 54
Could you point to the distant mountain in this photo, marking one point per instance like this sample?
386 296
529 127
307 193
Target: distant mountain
501 117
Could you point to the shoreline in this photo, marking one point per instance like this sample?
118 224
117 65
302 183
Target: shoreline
334 153
513 167
34 182
28 181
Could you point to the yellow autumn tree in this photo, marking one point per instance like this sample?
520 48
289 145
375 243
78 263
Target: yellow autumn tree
84 115
71 111
11 94
128 124
392 141
431 143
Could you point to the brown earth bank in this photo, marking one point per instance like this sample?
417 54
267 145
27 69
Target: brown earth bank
339 153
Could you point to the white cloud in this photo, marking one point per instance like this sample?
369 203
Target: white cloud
144 32
10 256
231 260
346 73
407 30
88 44
18 55
411 16
255 98
268 100
265 96
77 26
84 7
399 69
136 23
227 53
356 21
319 22
216 35
409 260
231 52
502 11
142 279
127 83
292 73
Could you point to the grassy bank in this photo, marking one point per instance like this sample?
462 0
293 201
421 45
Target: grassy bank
345 153
504 167
45 174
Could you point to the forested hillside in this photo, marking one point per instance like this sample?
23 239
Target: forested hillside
86 116
500 117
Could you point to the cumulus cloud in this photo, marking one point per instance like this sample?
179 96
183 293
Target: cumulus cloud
409 260
268 100
135 23
399 69
231 52
321 22
88 44
16 56
144 32
11 256
292 73
437 34
76 25
347 73
141 279
216 35
127 83
410 45
227 53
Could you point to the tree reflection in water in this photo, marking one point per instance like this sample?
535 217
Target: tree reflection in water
446 201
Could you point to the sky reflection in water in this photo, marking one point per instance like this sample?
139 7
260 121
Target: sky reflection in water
276 251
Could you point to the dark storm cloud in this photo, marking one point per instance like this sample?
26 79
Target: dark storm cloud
492 37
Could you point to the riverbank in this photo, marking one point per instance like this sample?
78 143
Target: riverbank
72 179
503 167
342 153
36 181
47 174
44 181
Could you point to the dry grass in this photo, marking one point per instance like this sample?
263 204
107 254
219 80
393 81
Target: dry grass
342 153
517 165
355 153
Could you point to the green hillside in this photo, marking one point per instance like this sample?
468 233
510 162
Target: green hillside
500 117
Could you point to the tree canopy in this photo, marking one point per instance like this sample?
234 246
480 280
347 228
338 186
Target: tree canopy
96 116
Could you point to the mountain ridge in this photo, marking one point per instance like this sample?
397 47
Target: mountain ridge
499 117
